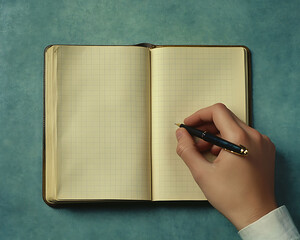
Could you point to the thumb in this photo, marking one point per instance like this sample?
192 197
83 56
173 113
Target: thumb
188 151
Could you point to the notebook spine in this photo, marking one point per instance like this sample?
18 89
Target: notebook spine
147 45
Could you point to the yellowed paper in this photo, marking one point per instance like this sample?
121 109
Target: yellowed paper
185 79
101 131
103 138
50 125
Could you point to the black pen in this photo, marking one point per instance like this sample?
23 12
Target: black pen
208 137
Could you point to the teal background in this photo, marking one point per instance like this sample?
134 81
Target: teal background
269 28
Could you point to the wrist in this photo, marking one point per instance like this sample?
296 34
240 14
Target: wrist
252 214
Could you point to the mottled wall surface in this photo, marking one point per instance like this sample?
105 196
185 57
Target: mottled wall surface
269 28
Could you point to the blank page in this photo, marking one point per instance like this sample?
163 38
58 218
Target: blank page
185 79
103 140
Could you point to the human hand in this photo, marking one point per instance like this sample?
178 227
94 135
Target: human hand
241 188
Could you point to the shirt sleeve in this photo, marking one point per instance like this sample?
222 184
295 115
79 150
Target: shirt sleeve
276 225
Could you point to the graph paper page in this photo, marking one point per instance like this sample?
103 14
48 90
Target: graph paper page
185 79
103 129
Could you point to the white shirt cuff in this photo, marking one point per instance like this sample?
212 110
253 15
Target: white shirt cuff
276 225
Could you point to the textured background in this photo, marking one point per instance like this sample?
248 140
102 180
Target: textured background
269 28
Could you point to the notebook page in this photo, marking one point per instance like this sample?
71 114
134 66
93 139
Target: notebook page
185 79
103 123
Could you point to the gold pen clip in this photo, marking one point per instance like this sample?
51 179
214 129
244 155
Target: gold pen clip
243 153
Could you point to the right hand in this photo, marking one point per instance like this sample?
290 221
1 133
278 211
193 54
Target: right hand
241 188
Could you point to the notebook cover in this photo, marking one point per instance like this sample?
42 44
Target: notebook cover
147 45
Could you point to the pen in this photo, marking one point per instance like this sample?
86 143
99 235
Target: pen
208 137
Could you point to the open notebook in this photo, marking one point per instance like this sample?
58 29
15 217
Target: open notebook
110 114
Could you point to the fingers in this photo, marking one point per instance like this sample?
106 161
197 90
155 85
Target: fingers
202 145
188 151
209 127
215 150
218 114
239 121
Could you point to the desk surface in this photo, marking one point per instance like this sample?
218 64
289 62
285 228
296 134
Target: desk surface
269 29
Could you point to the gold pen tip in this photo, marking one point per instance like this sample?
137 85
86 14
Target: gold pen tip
177 124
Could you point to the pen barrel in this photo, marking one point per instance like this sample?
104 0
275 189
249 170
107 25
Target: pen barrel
193 131
206 136
221 142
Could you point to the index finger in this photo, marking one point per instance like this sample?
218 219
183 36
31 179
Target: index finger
218 114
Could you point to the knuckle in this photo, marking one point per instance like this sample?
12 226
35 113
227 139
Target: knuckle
267 138
220 106
239 136
273 146
270 143
257 136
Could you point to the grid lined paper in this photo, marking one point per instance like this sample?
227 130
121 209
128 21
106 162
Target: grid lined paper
185 79
103 123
